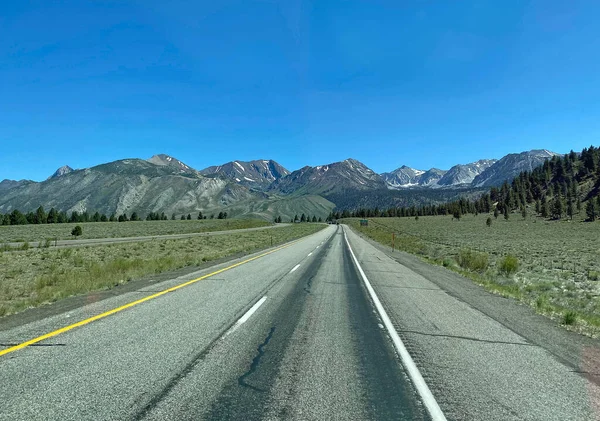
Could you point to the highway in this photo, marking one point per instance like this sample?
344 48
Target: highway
330 326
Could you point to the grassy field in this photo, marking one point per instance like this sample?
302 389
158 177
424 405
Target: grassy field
36 276
553 266
21 233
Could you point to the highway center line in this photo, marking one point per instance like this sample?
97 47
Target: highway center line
295 267
415 375
309 254
134 303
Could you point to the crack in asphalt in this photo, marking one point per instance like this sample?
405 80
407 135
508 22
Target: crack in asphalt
464 338
309 284
256 362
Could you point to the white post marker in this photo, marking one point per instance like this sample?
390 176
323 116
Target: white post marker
415 375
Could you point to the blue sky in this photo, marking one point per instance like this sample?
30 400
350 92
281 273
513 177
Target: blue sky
421 83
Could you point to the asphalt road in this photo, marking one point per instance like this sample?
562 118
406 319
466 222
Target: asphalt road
104 241
293 334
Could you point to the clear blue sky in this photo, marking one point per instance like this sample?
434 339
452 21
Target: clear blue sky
421 83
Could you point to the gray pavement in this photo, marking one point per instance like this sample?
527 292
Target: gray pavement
311 346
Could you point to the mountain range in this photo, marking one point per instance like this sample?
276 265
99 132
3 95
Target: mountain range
260 188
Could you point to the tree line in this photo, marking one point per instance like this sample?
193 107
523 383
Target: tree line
301 218
53 216
556 189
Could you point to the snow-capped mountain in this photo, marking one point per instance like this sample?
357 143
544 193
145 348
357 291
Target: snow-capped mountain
431 177
65 169
406 177
259 173
510 166
260 188
349 174
482 173
169 161
464 174
402 177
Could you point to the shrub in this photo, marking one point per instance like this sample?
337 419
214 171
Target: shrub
508 265
77 231
25 246
472 260
447 262
570 317
593 275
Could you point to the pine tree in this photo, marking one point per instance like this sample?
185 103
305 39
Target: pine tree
52 216
134 217
40 216
183 217
77 231
172 217
199 215
314 218
303 218
496 213
590 210
557 207
545 211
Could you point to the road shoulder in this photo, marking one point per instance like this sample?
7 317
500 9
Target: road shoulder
483 356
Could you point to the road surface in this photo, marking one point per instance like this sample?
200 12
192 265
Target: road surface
293 333
104 241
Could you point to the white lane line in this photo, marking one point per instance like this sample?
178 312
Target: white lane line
247 315
415 375
318 246
295 267
309 254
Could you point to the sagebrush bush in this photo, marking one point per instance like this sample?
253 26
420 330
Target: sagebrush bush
508 265
472 260
570 317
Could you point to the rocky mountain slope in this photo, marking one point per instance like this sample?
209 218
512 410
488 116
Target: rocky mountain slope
510 166
65 169
464 174
258 174
256 188
125 186
326 180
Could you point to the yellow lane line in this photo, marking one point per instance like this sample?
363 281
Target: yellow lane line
133 303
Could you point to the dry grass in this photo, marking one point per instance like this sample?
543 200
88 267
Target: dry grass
33 277
553 266
21 233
